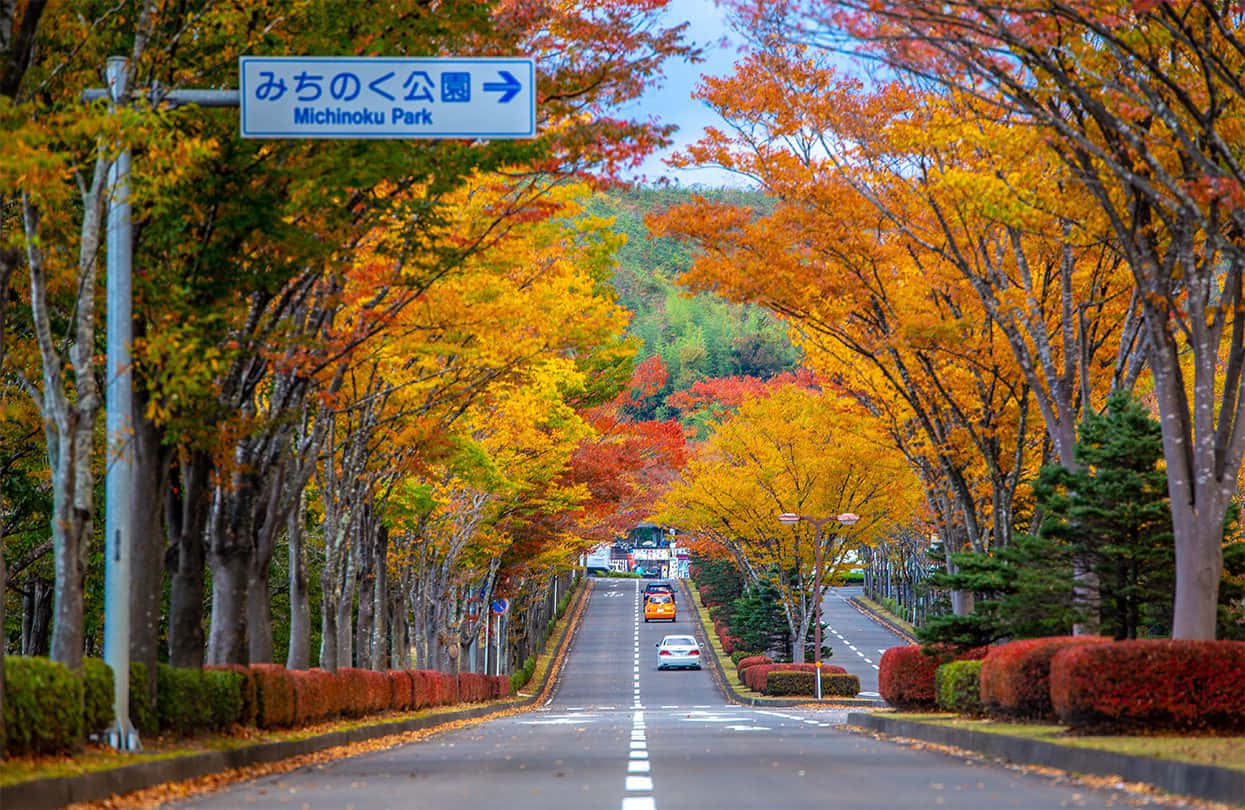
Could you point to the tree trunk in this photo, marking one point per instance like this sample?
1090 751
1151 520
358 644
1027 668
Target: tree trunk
39 637
399 647
380 612
186 516
228 639
367 596
299 655
259 614
146 586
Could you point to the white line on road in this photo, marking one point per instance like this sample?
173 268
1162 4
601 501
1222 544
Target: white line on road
639 803
637 783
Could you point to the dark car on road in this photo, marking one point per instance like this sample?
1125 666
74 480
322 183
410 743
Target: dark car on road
659 587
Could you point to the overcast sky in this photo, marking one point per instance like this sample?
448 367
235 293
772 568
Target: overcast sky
673 103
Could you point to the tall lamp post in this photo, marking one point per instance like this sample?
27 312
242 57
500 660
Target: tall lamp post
790 519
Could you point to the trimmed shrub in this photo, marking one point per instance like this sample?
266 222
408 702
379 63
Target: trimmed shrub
472 688
906 674
501 686
274 695
1015 677
223 688
800 682
142 708
401 689
957 687
97 696
183 700
317 695
751 661
42 706
739 655
1151 683
248 715
756 675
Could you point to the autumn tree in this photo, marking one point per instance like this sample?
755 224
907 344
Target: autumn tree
791 450
1141 102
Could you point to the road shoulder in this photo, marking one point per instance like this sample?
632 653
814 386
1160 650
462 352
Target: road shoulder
1208 782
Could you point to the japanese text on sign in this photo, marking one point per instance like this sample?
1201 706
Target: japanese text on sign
329 97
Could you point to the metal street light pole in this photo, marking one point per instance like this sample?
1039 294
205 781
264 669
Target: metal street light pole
789 518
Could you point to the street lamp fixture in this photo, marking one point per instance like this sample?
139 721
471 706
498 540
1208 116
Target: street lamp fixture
790 519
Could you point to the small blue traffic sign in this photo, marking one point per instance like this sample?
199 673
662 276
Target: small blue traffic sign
500 606
379 97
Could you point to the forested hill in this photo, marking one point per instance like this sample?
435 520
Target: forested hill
698 337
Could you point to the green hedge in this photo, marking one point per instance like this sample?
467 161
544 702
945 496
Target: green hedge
142 711
957 687
226 690
42 706
183 701
740 655
785 682
97 696
521 676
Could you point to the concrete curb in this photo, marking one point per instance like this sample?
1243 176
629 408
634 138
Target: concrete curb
717 671
45 794
881 618
1184 778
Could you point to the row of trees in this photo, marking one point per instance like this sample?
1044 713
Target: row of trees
1038 206
388 371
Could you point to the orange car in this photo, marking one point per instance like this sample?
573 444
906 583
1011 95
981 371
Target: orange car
657 607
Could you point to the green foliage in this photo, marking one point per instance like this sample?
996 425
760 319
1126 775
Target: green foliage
142 710
1232 594
1111 514
224 691
183 700
801 683
698 337
97 696
521 676
42 706
957 687
740 655
720 578
758 621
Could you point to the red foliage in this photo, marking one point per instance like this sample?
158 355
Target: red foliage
1151 683
750 661
434 688
501 686
401 689
274 689
1015 677
722 393
754 676
906 674
473 688
317 695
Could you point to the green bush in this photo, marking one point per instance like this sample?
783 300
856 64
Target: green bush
957 687
97 696
523 674
549 625
183 700
224 690
142 710
801 683
740 655
42 706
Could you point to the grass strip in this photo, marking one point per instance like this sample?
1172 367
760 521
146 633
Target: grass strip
1223 752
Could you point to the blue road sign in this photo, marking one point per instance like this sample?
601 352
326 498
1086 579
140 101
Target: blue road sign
379 97
500 606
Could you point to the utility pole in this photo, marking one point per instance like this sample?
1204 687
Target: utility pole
119 399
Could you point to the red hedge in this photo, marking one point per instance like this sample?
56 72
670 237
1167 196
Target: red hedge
401 690
906 674
1151 683
751 661
754 676
1015 677
473 688
274 689
317 695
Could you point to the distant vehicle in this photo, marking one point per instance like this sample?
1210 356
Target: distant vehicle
650 573
658 607
678 651
659 587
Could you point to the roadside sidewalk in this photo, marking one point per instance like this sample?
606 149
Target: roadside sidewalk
98 785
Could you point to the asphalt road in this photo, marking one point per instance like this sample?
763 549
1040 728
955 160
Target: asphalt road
619 734
857 641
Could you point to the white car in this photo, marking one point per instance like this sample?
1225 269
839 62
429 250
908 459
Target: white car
678 651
